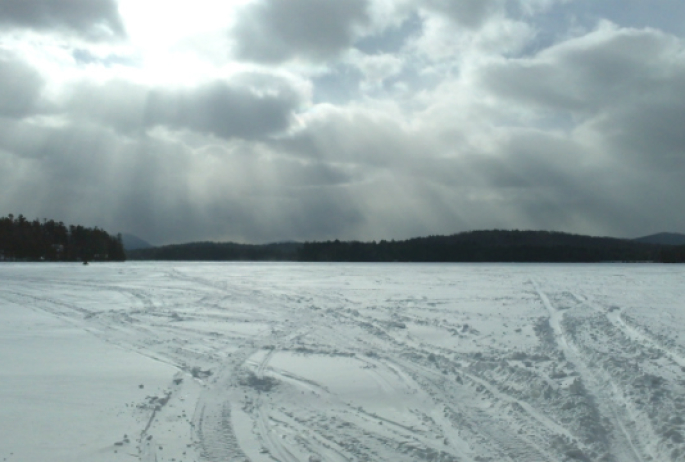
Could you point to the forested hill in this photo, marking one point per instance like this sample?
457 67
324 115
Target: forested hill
487 246
215 251
476 246
48 240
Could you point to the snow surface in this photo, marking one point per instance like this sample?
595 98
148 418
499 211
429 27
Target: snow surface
342 362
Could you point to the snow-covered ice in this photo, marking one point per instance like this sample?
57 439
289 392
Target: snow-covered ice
342 362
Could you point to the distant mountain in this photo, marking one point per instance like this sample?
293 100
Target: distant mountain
663 239
132 242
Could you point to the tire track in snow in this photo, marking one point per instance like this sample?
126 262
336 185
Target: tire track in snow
624 441
512 447
518 446
653 423
55 307
515 447
388 360
215 432
497 428
265 418
215 428
536 416
272 442
423 446
322 441
616 317
481 404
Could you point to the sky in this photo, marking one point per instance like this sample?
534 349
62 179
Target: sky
258 121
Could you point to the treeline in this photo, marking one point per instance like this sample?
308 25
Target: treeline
48 240
674 254
214 251
486 246
476 246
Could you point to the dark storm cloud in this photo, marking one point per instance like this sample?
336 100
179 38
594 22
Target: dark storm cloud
534 179
249 106
273 31
627 86
223 110
20 87
544 177
613 174
648 133
366 142
605 68
93 19
468 13
624 91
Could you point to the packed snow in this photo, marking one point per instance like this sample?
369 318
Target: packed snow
295 362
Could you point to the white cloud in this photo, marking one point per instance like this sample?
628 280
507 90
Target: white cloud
90 19
446 43
273 31
263 120
376 69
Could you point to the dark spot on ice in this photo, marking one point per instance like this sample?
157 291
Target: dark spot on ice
199 373
261 384
304 350
577 454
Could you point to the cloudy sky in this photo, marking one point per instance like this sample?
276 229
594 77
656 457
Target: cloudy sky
267 120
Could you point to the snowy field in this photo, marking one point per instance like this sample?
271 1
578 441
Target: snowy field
341 362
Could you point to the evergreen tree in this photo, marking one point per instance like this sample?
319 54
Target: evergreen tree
48 240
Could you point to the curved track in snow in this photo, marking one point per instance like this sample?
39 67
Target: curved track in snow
403 363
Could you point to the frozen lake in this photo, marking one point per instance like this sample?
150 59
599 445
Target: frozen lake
341 362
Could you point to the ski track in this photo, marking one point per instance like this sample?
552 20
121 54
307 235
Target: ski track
401 363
